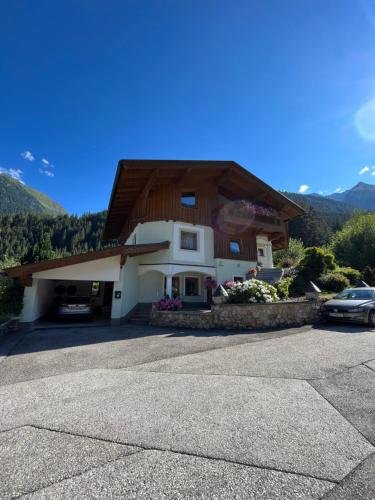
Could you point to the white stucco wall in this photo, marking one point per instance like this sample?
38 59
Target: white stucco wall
96 270
156 232
266 245
226 269
153 232
151 286
36 300
129 286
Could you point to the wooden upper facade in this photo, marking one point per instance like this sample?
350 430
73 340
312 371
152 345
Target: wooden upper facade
225 196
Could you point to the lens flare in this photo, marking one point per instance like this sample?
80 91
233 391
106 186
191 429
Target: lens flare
365 121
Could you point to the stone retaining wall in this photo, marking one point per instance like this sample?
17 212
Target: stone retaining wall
183 319
279 314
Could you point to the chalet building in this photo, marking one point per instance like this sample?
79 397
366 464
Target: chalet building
177 223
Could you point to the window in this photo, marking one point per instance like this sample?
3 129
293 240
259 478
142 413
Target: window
191 286
188 200
95 288
238 279
189 240
234 246
260 252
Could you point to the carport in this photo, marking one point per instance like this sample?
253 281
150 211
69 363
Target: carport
94 274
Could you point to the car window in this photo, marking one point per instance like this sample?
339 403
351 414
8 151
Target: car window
353 294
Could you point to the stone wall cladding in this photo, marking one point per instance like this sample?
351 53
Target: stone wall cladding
184 319
249 316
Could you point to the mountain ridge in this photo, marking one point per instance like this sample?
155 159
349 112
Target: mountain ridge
362 196
16 197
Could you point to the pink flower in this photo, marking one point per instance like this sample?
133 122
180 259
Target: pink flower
228 283
210 283
168 305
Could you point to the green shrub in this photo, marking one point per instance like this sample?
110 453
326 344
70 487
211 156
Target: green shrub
353 275
368 275
333 282
317 261
290 256
354 244
297 287
11 296
282 287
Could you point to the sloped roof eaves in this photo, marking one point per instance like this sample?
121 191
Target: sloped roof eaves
86 257
109 233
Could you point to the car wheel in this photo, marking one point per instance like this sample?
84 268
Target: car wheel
371 318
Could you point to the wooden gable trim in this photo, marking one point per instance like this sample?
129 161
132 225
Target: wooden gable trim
25 280
147 187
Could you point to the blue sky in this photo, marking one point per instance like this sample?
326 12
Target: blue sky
285 88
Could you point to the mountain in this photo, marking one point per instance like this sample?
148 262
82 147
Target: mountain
326 207
15 197
362 196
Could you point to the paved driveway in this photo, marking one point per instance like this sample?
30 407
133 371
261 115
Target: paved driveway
140 412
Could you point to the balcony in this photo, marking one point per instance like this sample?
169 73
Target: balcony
240 215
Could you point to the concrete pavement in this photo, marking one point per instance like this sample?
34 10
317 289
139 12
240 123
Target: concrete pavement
156 413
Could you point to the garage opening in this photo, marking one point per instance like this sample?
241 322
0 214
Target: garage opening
75 302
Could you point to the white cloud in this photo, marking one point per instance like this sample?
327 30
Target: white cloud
45 161
27 155
303 188
15 173
339 190
46 172
364 170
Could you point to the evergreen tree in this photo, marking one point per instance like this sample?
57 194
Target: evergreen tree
311 229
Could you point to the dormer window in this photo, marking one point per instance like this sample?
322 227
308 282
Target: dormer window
188 200
234 246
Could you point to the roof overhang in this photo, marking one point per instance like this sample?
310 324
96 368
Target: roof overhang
135 178
123 251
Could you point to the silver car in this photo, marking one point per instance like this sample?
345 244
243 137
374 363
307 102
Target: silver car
75 307
353 304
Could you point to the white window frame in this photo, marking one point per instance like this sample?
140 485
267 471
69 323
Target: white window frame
260 247
182 230
180 254
199 286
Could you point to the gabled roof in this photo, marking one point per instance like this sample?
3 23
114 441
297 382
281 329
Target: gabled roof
122 250
134 178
